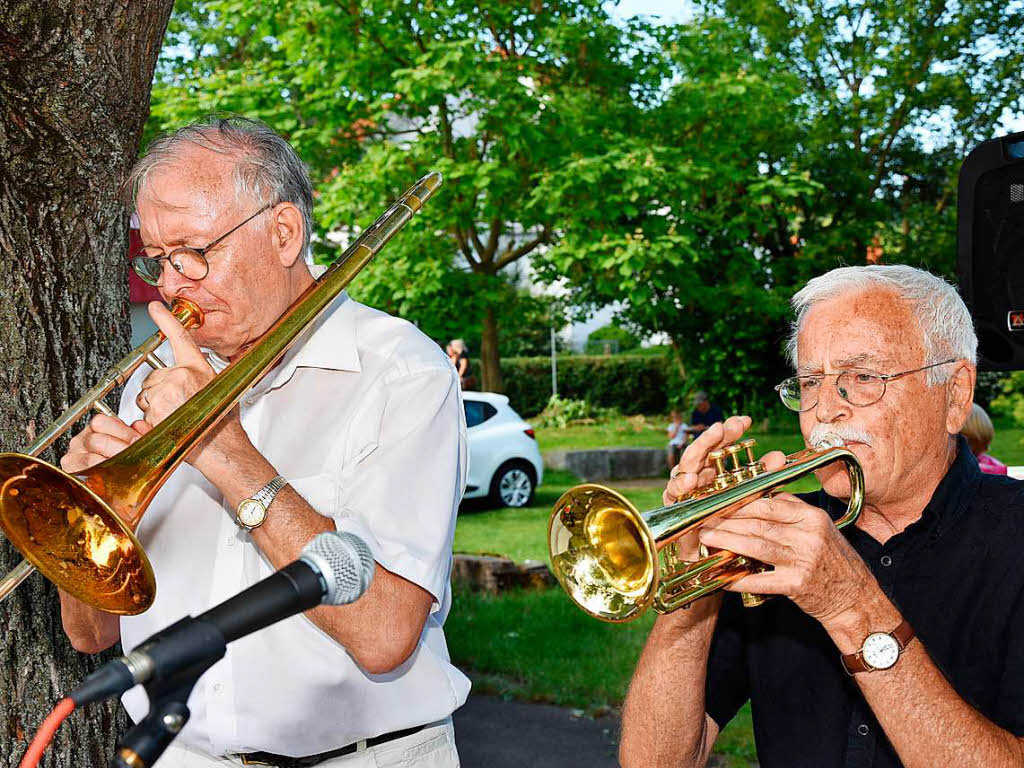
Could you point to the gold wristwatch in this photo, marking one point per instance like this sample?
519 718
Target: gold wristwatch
252 512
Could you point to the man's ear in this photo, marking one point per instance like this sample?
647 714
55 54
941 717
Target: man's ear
286 231
960 396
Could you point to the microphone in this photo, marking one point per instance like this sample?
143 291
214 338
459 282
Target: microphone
334 569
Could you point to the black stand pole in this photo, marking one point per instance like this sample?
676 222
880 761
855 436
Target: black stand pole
146 742
142 745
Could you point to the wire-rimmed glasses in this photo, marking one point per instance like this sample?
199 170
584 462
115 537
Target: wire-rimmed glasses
858 388
191 263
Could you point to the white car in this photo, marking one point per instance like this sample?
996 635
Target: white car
504 460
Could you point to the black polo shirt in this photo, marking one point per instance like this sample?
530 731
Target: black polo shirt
713 416
957 575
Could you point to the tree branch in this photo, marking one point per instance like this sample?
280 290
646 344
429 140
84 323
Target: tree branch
511 255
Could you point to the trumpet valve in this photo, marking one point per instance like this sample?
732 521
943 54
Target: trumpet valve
738 472
753 466
723 476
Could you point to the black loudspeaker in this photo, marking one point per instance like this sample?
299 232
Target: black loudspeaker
990 243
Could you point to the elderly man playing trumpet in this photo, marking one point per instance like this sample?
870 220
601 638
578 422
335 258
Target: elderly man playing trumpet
902 638
360 427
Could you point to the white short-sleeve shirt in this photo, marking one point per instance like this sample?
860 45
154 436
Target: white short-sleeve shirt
364 418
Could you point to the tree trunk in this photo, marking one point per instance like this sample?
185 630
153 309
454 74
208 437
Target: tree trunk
490 366
75 78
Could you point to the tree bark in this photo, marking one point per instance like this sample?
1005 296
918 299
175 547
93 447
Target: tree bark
490 365
75 77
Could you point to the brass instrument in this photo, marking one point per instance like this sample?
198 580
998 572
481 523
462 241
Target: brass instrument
77 529
615 562
191 317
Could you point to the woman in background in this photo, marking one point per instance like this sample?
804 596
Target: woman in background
979 433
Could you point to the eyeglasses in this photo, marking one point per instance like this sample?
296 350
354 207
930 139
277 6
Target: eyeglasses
858 388
188 262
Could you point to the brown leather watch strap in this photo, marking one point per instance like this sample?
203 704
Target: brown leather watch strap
854 662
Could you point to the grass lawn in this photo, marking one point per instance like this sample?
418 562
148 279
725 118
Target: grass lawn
538 645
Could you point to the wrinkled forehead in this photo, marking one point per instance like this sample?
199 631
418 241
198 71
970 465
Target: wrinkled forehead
193 180
875 329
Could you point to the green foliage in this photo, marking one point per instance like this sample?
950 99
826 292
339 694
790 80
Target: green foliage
373 93
630 383
561 412
624 340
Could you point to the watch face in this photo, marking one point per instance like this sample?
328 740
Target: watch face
881 650
251 513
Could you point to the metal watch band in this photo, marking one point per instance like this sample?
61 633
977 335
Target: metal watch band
266 494
854 662
264 497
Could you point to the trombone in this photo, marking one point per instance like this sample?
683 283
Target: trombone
616 562
77 529
185 312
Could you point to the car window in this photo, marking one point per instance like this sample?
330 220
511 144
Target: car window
477 412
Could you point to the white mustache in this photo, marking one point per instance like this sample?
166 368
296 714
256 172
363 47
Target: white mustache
832 435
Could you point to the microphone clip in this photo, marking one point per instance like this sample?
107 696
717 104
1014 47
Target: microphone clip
179 659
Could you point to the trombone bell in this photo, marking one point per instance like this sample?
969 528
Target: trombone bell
73 538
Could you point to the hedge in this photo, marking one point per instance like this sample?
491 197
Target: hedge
631 383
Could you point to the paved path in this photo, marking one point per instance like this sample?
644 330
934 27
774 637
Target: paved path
493 733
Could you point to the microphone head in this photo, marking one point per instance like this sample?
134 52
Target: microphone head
345 563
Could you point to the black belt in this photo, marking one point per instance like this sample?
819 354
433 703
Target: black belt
283 761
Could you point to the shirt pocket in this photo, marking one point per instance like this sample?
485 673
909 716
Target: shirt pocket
320 492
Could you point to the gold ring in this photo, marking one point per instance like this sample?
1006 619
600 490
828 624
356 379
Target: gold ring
674 472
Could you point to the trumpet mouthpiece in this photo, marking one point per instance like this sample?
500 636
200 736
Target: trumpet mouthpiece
831 440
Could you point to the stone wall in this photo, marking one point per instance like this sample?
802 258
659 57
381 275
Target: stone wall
609 463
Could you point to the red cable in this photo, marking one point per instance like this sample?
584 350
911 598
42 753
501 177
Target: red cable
44 735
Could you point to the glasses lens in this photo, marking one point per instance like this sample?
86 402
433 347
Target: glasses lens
860 388
147 268
789 393
189 263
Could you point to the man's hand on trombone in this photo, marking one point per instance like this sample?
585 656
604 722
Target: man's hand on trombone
166 389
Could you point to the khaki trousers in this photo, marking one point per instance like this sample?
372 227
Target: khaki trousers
433 747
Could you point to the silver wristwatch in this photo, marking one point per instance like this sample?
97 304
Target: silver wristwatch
253 511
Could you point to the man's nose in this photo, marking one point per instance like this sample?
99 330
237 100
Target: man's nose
172 282
831 406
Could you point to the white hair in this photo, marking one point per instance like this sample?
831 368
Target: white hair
942 316
267 170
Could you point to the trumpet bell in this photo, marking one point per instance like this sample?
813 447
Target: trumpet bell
73 537
603 553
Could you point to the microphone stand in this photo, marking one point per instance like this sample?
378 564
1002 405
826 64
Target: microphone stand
143 744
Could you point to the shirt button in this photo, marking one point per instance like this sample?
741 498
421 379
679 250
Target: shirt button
231 541
886 561
219 688
862 729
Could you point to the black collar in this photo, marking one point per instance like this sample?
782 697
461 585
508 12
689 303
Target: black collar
950 500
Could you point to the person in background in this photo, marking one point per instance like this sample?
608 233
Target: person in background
979 433
705 413
461 360
676 432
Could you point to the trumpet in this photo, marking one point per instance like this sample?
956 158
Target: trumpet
616 562
77 530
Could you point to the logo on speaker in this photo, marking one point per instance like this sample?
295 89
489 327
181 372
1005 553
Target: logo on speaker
1015 320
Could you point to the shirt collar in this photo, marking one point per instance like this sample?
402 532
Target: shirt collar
329 343
951 498
954 492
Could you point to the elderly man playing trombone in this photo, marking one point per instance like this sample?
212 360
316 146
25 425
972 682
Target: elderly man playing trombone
359 428
897 641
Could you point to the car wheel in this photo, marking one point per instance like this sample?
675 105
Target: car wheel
513 484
